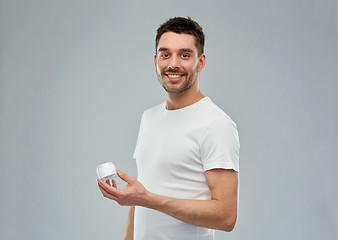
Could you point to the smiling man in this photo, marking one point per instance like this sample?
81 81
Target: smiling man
177 62
187 152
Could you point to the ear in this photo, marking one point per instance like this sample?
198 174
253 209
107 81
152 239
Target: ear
201 62
155 57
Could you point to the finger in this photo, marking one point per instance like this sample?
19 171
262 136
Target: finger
107 194
102 183
108 182
124 176
113 183
107 187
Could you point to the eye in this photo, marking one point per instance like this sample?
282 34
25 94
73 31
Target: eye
164 55
185 56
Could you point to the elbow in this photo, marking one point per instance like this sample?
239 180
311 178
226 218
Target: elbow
229 228
229 223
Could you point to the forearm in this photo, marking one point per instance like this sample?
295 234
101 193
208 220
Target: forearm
129 229
218 213
213 213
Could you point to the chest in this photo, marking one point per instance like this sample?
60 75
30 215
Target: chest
168 156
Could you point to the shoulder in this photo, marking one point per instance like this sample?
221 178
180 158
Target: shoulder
218 129
151 114
153 110
215 116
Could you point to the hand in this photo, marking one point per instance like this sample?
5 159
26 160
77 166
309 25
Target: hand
133 194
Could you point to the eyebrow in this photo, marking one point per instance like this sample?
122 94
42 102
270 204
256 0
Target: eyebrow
163 49
187 50
182 50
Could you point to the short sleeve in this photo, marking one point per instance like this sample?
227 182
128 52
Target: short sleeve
219 145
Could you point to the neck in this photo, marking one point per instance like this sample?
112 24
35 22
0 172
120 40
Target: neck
184 99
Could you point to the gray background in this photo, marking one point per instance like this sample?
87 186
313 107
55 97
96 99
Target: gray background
77 75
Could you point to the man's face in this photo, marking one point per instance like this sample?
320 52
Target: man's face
177 62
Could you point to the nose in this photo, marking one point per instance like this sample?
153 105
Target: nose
174 62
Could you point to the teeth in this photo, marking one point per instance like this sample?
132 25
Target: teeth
174 76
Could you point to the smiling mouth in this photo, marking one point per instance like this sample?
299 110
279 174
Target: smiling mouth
174 76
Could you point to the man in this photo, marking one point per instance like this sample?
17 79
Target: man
186 153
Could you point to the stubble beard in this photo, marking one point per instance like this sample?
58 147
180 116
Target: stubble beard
186 85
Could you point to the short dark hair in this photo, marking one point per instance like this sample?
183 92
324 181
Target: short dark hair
182 25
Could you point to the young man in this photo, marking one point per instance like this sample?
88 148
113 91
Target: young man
187 150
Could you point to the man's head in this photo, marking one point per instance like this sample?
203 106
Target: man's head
182 25
179 55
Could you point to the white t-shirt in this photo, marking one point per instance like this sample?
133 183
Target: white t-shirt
173 151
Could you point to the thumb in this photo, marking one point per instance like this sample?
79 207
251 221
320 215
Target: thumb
124 176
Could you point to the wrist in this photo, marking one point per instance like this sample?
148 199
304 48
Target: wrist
155 201
146 199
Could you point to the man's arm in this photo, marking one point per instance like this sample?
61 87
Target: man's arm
129 230
218 213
